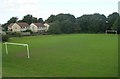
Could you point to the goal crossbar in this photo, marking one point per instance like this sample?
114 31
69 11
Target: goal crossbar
27 47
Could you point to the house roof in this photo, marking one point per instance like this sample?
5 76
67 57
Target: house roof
39 24
11 25
21 24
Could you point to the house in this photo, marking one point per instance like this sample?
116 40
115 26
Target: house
18 27
38 27
47 26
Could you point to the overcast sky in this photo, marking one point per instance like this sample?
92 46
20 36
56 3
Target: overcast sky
44 8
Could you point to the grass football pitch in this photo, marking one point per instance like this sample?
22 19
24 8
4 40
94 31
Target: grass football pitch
72 55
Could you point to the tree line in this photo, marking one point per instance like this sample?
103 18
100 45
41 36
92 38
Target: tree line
67 23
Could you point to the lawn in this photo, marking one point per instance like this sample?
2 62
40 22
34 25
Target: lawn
72 55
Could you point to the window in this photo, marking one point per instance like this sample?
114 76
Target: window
15 27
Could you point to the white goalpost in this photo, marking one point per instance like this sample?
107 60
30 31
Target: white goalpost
110 31
27 47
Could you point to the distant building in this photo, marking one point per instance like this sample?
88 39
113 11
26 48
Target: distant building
18 27
34 27
47 26
119 7
38 27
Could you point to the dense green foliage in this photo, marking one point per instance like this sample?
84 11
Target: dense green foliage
14 34
67 23
55 29
5 38
40 20
116 25
73 55
50 19
93 23
111 20
30 19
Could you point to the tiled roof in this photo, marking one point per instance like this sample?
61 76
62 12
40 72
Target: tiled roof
11 25
39 24
21 24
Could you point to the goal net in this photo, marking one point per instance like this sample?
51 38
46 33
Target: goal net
111 31
19 44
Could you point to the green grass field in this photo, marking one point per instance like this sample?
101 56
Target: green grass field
73 55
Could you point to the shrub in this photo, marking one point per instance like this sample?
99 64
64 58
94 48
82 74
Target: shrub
14 34
17 34
5 38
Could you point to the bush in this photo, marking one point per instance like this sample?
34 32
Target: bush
14 34
17 34
54 29
44 33
5 38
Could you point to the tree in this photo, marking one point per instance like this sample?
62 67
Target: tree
77 28
51 19
12 20
93 23
83 22
67 27
97 23
111 19
29 19
116 25
66 22
40 20
54 28
5 26
63 17
5 38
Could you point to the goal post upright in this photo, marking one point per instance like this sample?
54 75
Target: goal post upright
27 47
116 32
6 48
28 51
